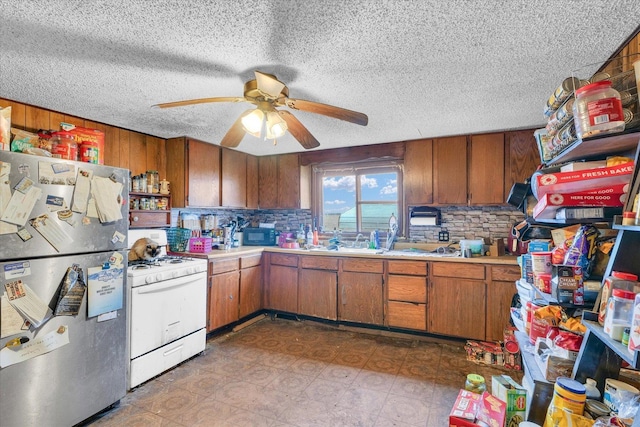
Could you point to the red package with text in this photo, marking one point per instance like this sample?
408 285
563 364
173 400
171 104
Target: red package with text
474 410
587 179
610 196
89 137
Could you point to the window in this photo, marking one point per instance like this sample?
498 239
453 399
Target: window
359 198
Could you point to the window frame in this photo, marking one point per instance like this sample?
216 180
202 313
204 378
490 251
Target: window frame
355 168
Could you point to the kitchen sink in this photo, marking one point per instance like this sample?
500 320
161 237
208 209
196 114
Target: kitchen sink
361 251
423 254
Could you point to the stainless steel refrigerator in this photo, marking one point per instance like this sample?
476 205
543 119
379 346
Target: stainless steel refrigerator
63 230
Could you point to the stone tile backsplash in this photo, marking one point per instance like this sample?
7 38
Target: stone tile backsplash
461 222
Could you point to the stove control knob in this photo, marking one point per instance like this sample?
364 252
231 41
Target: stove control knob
190 270
148 279
159 277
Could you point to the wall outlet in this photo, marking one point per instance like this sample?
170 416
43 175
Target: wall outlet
443 236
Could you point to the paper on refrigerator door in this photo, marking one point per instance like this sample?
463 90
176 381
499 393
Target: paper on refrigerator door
20 206
27 303
50 230
49 342
10 320
82 191
108 198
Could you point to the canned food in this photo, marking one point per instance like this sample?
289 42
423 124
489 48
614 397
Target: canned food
145 204
562 92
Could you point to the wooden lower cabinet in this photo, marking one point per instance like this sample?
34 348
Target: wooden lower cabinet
500 292
360 291
457 295
283 288
317 293
223 299
407 294
250 284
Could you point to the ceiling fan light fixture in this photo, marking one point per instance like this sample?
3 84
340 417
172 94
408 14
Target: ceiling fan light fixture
276 126
252 121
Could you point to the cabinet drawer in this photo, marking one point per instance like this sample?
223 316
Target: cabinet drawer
218 266
416 268
408 288
319 263
455 269
250 260
362 265
505 273
149 219
281 259
408 315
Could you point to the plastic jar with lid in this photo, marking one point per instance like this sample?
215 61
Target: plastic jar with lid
617 280
597 110
475 383
64 145
569 395
619 309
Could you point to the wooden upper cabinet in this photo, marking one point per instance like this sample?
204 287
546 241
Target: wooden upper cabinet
288 181
486 169
253 190
193 169
234 178
521 158
268 182
450 170
418 172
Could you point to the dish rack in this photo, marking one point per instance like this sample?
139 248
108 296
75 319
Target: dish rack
178 239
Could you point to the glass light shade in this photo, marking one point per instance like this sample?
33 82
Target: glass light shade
276 126
252 122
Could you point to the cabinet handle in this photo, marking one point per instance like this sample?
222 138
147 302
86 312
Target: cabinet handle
135 219
231 297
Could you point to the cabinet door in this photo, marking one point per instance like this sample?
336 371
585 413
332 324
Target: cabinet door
317 293
486 169
450 170
234 178
252 182
521 158
288 182
268 182
418 172
203 185
456 307
250 290
360 298
283 288
407 315
223 299
499 296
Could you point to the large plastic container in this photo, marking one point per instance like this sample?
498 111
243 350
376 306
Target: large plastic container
597 110
617 280
634 332
568 395
64 146
619 308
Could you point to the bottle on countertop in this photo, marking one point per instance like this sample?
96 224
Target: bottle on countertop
309 236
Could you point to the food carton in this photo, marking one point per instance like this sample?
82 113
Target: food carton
514 395
551 365
588 179
567 284
475 410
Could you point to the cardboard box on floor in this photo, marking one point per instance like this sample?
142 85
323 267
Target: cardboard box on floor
471 409
514 395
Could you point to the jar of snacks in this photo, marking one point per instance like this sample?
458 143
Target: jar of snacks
64 146
475 383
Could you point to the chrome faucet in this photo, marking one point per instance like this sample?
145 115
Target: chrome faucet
355 243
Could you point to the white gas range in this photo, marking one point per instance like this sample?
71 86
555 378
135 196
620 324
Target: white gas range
167 299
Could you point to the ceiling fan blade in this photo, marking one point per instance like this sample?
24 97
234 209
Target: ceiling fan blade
298 130
268 84
327 110
200 101
234 135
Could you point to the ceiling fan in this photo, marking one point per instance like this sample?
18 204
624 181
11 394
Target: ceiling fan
267 93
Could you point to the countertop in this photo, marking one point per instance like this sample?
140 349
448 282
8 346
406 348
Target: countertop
392 255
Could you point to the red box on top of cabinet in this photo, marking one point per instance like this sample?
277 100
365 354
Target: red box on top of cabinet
200 245
472 408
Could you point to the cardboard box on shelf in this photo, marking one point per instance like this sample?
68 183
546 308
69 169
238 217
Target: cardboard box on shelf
514 395
579 166
567 284
475 410
609 196
588 179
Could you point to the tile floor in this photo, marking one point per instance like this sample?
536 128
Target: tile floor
281 373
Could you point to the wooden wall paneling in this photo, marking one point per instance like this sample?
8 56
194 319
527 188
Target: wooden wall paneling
18 112
74 120
177 171
36 118
137 153
391 150
112 147
156 159
252 182
123 137
55 119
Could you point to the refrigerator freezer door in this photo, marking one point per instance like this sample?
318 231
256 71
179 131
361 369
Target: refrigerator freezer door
71 383
76 232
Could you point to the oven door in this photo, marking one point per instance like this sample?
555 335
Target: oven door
165 311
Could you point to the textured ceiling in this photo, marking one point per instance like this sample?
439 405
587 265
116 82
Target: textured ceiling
418 69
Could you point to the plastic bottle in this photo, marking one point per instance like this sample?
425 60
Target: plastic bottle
316 241
619 309
592 389
309 236
64 146
617 280
597 110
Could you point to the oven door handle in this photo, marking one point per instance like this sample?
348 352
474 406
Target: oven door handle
171 283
